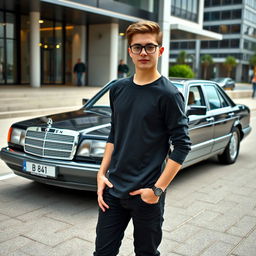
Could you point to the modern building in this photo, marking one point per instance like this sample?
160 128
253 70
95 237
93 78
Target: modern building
235 20
40 41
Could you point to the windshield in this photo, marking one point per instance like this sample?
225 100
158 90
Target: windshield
179 86
103 100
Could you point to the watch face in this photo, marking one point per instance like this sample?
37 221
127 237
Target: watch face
158 191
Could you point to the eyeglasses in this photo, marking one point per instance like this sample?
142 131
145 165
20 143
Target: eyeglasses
149 48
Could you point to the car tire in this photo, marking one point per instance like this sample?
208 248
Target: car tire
231 152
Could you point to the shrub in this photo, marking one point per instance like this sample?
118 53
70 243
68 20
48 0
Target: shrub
183 71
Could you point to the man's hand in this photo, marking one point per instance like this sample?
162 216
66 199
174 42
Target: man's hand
146 194
102 181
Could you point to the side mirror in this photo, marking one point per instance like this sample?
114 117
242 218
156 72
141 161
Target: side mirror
84 101
196 110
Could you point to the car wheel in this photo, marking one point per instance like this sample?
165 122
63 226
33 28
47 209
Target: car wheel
231 152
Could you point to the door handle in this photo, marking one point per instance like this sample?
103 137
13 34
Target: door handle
231 114
210 119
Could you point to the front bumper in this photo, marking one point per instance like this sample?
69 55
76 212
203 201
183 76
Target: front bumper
70 174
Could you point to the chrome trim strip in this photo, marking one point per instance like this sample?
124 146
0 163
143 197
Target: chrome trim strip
213 123
202 144
223 137
205 143
55 141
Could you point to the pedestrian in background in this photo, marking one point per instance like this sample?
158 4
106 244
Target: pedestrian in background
123 69
79 70
147 113
254 85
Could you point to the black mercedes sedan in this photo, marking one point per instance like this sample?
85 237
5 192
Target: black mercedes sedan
66 149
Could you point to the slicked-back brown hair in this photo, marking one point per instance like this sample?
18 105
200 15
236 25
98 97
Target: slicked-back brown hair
143 27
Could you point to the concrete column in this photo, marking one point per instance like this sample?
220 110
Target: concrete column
197 59
103 53
164 17
113 54
238 72
78 47
35 67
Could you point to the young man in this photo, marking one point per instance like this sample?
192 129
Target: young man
147 114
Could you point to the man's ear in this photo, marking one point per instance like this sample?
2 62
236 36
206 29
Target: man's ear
161 50
129 51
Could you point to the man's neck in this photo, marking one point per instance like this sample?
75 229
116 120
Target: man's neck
141 77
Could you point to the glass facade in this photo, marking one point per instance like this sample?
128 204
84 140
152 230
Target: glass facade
24 49
147 5
182 45
223 15
185 9
225 28
51 52
225 43
8 46
210 3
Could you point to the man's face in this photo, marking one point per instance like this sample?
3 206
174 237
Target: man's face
144 60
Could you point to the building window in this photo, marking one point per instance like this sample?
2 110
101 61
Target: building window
234 43
226 15
52 52
215 16
236 14
223 15
224 43
214 44
8 46
185 9
235 29
224 29
204 44
209 3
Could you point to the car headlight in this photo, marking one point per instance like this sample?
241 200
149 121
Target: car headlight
17 136
91 148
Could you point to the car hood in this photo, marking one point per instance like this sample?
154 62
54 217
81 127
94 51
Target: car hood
84 121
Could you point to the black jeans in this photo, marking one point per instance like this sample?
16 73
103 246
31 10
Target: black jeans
147 221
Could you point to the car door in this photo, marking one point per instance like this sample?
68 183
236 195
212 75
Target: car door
223 116
200 126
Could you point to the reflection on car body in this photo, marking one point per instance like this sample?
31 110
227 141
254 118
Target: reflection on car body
68 150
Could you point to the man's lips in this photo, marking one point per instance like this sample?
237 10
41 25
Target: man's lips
143 60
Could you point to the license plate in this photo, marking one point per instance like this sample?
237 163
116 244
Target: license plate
39 169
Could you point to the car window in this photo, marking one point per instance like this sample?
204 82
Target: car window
213 97
195 96
223 101
103 100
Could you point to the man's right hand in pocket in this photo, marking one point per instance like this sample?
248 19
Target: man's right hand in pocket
102 181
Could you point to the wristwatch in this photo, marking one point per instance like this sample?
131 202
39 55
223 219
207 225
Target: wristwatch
157 191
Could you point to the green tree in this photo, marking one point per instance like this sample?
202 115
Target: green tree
206 61
230 63
181 59
253 62
183 71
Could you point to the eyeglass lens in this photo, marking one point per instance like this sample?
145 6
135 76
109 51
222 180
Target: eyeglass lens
149 48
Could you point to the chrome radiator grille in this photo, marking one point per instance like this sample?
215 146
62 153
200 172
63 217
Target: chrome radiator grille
51 142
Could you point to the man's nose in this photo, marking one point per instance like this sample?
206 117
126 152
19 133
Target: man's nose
143 52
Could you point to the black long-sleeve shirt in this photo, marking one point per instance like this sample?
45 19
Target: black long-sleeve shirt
145 120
